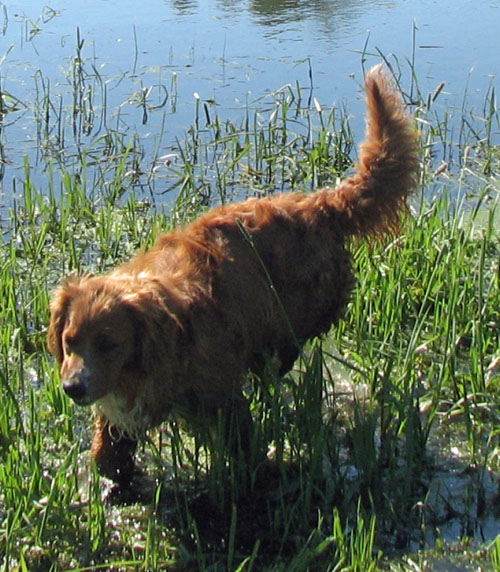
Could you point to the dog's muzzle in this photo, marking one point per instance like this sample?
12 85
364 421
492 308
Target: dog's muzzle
76 389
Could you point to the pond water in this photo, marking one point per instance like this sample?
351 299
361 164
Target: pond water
231 52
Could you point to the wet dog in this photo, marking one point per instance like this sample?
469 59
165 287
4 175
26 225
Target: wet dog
180 325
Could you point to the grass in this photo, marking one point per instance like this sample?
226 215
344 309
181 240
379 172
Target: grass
372 434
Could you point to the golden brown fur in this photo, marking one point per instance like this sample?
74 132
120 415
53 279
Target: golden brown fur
179 326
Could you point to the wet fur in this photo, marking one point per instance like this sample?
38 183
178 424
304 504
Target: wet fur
179 326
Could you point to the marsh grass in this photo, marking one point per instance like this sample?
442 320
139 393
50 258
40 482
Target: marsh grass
356 434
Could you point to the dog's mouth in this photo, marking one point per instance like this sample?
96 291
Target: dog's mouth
83 401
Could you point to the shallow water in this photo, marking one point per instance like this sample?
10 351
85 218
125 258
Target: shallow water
231 53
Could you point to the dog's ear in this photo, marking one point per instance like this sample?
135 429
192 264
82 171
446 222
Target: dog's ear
158 329
59 306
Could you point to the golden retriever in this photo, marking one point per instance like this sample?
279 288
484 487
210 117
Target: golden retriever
180 325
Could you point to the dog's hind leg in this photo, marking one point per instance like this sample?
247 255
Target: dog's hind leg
113 452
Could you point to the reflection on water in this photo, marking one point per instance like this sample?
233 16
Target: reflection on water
278 14
327 16
184 6
272 12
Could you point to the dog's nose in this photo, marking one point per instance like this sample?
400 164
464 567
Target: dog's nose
75 388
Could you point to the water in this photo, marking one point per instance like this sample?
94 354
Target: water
231 52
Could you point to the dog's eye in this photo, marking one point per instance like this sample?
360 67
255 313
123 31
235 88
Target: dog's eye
106 344
69 344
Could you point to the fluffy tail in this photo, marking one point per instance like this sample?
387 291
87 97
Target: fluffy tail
371 200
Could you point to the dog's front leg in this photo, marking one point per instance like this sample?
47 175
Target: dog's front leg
113 452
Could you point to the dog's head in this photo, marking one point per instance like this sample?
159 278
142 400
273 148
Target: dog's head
104 334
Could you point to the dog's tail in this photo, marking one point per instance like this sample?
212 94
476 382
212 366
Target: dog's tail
371 200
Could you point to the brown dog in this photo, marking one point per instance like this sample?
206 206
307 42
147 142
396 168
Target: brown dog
180 325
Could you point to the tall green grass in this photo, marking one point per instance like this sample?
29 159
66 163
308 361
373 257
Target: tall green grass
408 380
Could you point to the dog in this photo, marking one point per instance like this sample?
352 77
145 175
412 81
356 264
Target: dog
178 328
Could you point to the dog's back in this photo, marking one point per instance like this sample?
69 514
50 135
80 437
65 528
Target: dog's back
277 268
